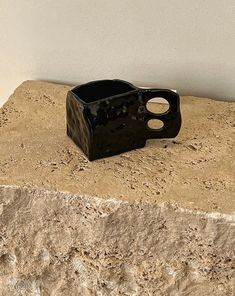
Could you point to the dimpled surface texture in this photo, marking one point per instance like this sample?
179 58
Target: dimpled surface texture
77 127
154 221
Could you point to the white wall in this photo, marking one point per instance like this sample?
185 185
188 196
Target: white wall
186 44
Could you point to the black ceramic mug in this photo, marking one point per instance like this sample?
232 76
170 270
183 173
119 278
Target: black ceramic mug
107 117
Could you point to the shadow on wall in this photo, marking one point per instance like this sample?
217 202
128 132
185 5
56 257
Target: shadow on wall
176 77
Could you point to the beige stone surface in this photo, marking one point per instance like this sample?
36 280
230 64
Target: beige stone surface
156 221
196 169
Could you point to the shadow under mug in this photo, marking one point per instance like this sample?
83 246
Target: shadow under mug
108 117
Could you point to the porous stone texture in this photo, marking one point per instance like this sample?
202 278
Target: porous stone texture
155 221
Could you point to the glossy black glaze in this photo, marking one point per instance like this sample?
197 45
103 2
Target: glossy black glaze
107 117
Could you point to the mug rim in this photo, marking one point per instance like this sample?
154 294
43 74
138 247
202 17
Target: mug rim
104 98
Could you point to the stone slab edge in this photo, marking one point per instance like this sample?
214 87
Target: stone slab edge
138 248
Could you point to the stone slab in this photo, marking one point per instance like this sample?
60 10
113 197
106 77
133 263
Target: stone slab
195 170
155 221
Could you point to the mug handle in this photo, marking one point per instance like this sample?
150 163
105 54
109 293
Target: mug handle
171 118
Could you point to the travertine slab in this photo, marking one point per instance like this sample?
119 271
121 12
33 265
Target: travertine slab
155 221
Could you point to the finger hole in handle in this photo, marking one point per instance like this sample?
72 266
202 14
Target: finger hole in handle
157 105
155 124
